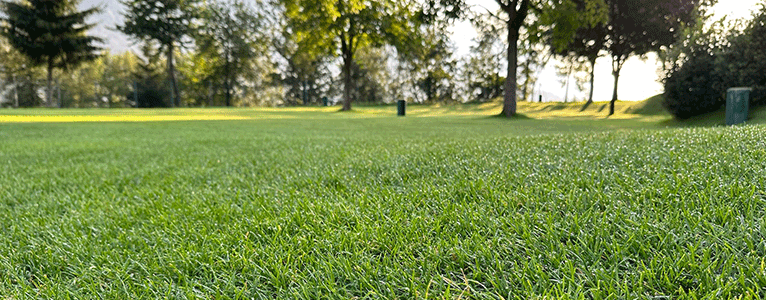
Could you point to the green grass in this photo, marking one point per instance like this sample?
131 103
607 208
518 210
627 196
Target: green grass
446 203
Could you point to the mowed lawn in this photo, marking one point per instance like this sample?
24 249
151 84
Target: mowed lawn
446 203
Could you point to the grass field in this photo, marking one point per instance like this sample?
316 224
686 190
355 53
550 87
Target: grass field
446 203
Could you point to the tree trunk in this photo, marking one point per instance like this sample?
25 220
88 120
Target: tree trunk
49 91
175 101
228 79
228 94
15 92
509 98
347 60
227 87
566 91
616 74
592 80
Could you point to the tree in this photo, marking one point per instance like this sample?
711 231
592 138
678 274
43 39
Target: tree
562 19
149 90
166 22
51 33
637 27
229 42
302 70
17 76
103 82
325 26
516 11
587 43
429 60
483 66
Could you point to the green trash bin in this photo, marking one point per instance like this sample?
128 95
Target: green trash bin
401 107
737 105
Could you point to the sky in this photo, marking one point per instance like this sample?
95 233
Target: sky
638 78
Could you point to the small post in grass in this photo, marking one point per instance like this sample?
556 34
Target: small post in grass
401 106
324 101
737 105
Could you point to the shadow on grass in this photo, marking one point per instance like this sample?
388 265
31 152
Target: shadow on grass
756 116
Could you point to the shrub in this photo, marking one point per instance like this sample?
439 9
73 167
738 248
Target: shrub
712 64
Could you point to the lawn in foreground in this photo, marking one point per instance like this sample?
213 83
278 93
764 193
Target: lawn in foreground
348 206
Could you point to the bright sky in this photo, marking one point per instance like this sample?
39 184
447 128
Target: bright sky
638 79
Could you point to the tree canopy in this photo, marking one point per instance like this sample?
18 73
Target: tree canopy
50 33
324 26
166 22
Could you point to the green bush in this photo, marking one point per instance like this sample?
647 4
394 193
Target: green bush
691 90
712 64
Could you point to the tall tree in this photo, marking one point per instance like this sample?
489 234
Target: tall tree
637 27
588 43
303 71
51 33
326 26
230 42
548 14
516 12
166 22
429 59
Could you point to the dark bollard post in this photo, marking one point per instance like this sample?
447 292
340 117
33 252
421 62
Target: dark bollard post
540 98
324 101
737 105
401 106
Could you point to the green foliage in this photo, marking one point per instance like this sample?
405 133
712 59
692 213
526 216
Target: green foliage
570 19
430 62
163 21
710 60
329 27
104 82
166 22
431 207
369 75
20 80
51 33
639 27
150 88
229 42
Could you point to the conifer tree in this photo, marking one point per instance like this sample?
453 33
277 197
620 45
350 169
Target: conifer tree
166 22
51 33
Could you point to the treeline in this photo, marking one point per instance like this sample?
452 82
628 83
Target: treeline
303 52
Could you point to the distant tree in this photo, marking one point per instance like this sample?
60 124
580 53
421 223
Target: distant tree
637 27
429 59
103 82
229 42
16 74
302 69
549 15
166 22
588 43
325 26
483 66
51 33
149 89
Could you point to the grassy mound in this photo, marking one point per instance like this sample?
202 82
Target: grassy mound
649 107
